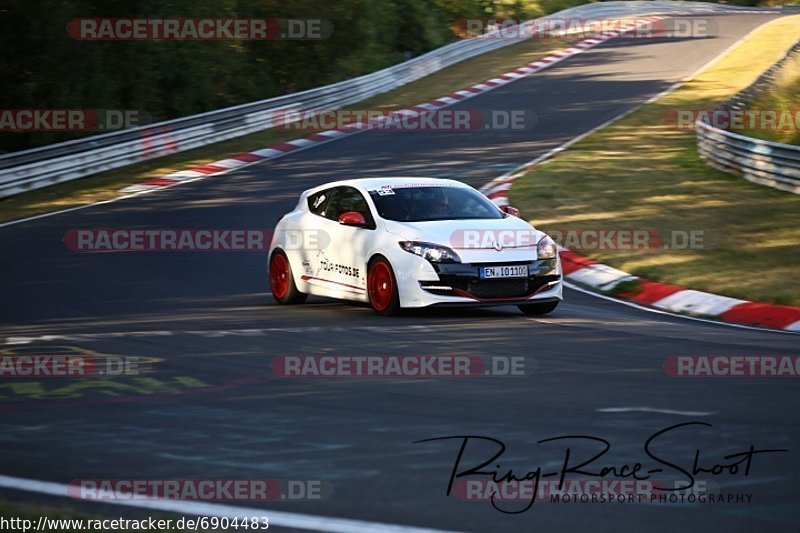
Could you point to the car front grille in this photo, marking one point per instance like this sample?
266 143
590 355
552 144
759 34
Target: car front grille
499 288
489 288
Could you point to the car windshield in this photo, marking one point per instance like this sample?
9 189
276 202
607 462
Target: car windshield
426 203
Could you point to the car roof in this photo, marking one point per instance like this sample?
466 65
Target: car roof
371 184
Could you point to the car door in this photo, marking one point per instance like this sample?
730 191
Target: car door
343 262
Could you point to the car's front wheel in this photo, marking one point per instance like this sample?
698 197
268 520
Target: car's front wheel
538 308
281 281
382 287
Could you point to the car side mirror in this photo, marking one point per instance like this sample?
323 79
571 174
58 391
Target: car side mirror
352 218
513 211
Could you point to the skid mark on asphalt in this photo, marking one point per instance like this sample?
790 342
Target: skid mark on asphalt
409 329
653 410
405 329
212 334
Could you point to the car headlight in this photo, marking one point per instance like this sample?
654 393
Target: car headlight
546 248
432 252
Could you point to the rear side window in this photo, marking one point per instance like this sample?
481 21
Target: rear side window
318 201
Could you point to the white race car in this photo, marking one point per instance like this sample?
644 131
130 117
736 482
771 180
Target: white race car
411 242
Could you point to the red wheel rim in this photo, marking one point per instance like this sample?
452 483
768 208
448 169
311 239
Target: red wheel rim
381 287
279 275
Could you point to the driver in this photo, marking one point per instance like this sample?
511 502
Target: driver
440 202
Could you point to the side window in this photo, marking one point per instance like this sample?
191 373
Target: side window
318 201
348 199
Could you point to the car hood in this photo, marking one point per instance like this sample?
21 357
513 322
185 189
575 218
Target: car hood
477 234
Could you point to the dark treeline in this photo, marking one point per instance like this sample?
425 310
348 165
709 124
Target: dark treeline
43 67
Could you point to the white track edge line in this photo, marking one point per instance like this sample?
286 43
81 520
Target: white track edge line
276 518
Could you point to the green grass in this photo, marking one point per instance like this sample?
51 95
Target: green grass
784 95
641 173
106 186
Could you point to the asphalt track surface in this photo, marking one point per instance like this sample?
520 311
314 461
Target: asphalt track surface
210 408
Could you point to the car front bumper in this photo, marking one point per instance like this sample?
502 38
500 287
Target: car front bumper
461 284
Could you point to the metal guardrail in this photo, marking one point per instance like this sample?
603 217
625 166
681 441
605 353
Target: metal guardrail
40 167
773 164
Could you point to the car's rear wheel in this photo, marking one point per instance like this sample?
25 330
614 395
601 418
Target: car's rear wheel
539 308
281 281
382 288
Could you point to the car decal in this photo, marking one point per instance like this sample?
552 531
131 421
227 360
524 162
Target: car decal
307 278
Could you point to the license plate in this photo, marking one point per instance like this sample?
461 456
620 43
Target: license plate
517 271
